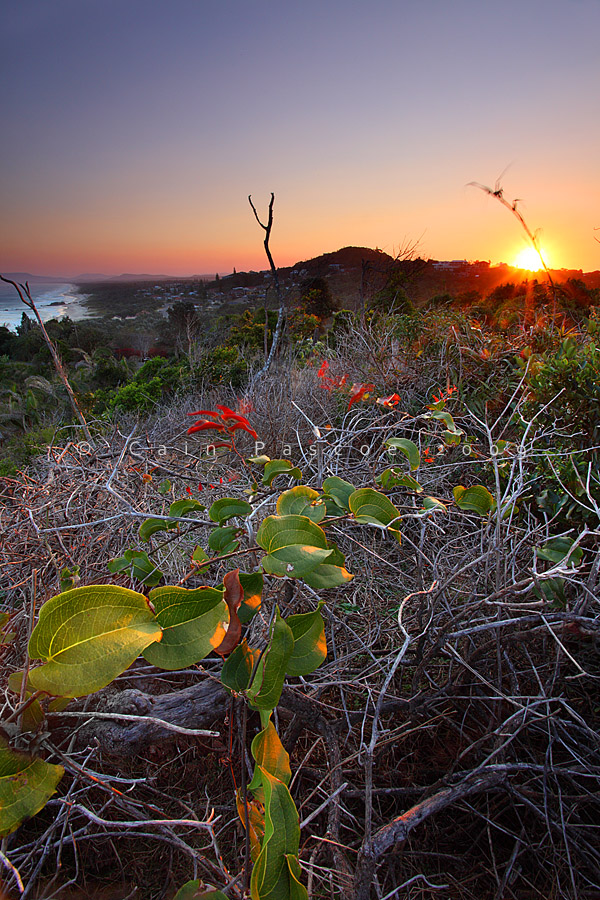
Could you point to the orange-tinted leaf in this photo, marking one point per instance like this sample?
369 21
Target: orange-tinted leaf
233 596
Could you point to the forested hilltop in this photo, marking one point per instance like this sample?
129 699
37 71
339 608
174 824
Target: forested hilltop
325 629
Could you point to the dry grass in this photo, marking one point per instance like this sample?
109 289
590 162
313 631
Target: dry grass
455 701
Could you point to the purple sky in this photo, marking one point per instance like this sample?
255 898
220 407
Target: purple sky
133 130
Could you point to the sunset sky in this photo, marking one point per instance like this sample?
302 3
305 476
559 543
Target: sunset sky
132 131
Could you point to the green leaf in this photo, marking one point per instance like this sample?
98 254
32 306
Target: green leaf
302 501
238 666
69 578
193 623
26 785
151 526
310 646
276 532
271 873
447 419
259 460
393 477
432 504
294 544
295 561
410 450
228 507
195 890
252 583
164 487
270 754
265 690
327 576
372 507
280 467
558 549
339 490
297 891
139 565
88 636
451 438
223 540
199 556
476 498
181 507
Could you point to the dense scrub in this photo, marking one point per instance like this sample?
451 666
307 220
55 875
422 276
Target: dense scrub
448 744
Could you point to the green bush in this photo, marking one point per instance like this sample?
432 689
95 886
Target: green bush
222 365
21 448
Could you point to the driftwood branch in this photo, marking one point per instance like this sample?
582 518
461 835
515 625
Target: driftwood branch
398 829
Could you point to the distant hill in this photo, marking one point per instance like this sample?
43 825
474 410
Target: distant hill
22 277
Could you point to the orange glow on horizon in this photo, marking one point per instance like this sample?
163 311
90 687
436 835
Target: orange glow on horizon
529 259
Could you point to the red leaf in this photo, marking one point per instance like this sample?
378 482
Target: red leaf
225 411
323 369
205 426
390 401
204 412
234 594
358 391
245 426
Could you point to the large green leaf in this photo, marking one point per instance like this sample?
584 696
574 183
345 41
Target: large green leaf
310 646
26 785
280 467
373 507
302 501
339 490
276 532
294 544
238 666
227 508
193 623
265 690
295 561
271 873
476 498
88 636
408 448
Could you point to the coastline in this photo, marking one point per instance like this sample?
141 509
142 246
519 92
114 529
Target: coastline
53 301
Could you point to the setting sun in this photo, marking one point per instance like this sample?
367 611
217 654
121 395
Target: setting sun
529 259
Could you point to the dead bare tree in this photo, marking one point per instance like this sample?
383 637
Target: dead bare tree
25 295
281 315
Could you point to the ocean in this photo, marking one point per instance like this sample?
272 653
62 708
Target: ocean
52 300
